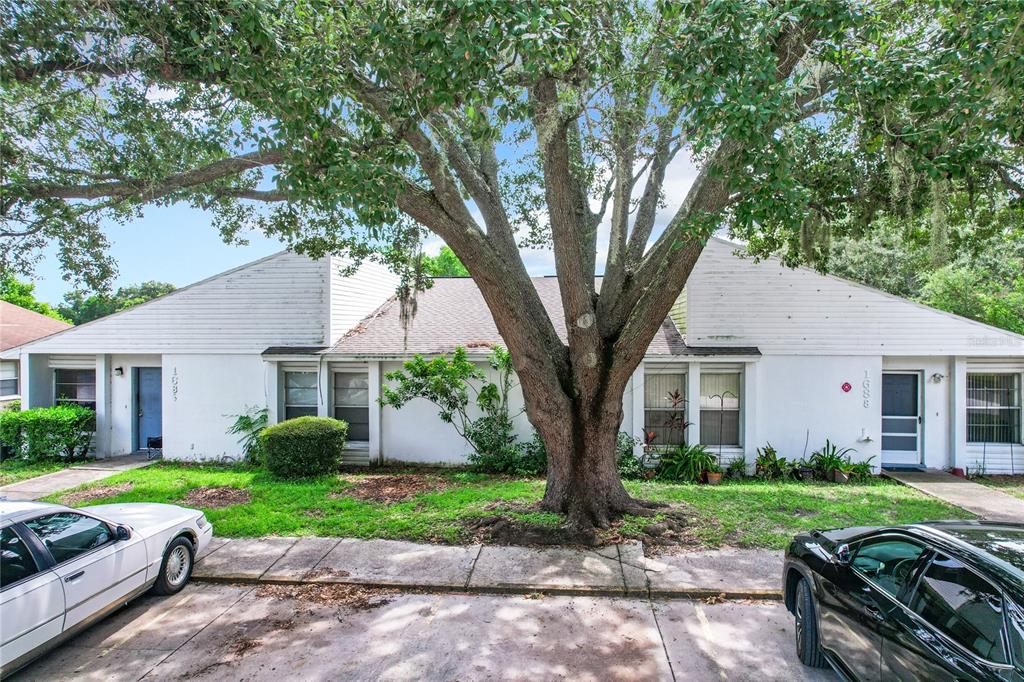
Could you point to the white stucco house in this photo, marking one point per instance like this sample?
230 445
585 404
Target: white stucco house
758 352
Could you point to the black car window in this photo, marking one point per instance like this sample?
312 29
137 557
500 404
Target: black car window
888 562
16 561
962 605
1016 635
68 535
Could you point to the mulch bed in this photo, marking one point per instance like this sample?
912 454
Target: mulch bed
350 596
97 493
392 489
217 498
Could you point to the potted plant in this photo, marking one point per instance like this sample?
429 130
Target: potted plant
737 468
830 462
802 470
713 474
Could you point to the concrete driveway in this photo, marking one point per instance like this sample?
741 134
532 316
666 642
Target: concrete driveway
233 632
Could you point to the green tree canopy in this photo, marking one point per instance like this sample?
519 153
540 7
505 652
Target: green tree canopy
80 307
22 294
358 127
444 264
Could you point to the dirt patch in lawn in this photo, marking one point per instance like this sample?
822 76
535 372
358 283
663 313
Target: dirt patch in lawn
217 498
392 489
350 596
97 493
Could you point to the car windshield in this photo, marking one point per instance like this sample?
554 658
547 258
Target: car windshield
1002 542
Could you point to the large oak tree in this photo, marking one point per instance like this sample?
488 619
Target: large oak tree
359 126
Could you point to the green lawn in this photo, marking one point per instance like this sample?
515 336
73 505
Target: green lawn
1008 484
747 513
14 470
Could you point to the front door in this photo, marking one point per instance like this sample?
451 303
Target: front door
901 419
149 412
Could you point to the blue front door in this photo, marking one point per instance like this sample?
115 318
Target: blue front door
149 413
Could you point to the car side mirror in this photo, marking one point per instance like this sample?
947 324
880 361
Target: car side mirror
844 555
123 533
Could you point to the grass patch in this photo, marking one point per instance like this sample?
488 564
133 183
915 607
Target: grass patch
747 513
1014 485
15 470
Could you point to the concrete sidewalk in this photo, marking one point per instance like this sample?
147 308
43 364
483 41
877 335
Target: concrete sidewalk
616 570
986 502
72 477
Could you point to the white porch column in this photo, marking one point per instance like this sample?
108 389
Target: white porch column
693 403
273 392
323 393
374 378
635 421
104 423
748 409
958 412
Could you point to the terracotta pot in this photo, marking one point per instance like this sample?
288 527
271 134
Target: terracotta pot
649 474
840 477
713 477
957 471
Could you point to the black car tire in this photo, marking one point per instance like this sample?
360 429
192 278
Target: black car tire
808 648
176 568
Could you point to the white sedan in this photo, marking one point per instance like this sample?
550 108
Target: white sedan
62 569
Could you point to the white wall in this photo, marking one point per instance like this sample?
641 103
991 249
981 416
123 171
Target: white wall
201 396
800 399
733 301
416 434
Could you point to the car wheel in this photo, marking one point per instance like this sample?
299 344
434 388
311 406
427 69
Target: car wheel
808 649
176 567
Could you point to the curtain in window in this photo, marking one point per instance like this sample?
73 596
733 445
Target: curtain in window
665 408
720 408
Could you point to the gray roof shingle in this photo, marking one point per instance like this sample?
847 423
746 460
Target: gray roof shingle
453 313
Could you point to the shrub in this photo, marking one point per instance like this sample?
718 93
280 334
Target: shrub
686 463
737 468
61 432
829 458
769 466
304 447
249 425
496 450
630 467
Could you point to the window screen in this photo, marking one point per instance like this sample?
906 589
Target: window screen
665 408
300 394
352 403
720 408
993 408
75 386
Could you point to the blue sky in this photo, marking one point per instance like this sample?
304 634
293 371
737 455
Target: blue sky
178 244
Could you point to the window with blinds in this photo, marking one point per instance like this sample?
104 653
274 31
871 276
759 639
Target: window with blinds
352 403
300 389
8 378
665 408
720 408
75 386
993 408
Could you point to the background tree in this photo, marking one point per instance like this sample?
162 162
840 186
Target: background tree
444 264
22 294
357 127
80 307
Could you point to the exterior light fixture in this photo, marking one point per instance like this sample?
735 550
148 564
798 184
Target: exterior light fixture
119 371
937 378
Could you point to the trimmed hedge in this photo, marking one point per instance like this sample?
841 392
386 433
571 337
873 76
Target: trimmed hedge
61 432
304 447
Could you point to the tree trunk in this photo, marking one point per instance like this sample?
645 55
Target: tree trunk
583 480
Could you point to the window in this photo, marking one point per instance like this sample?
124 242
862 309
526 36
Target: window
68 535
720 408
887 562
993 408
8 378
352 403
1016 632
300 389
75 386
965 607
16 562
665 408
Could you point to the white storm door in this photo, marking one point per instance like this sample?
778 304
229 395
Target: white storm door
901 418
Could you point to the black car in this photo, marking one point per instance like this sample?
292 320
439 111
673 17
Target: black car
933 601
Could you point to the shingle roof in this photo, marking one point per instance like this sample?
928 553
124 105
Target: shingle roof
453 313
19 325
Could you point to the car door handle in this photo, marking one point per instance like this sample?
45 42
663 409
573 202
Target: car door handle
74 576
874 612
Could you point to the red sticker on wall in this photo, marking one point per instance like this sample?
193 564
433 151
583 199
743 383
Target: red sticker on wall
847 387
